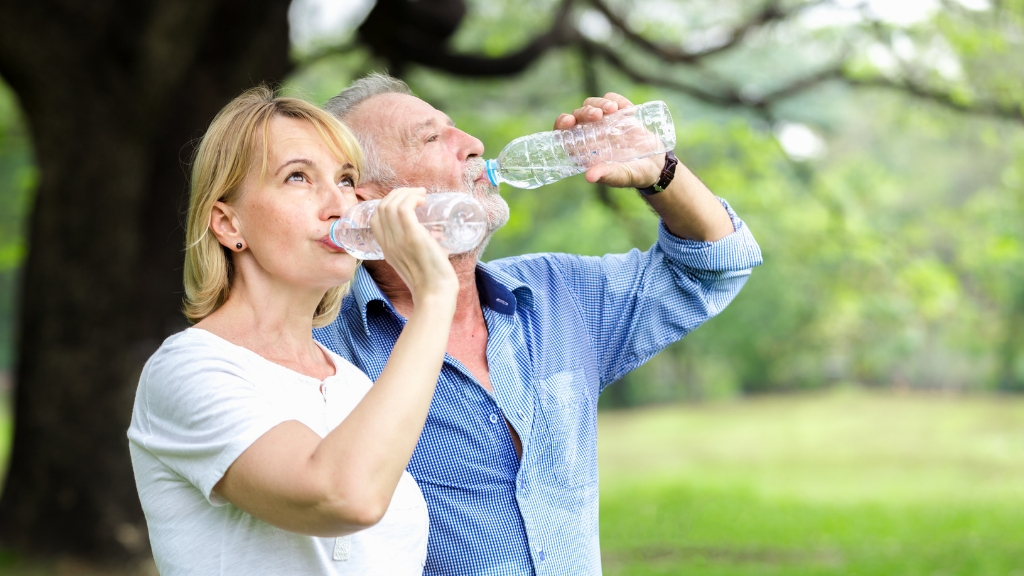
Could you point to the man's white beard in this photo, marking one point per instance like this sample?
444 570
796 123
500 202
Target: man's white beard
495 207
489 196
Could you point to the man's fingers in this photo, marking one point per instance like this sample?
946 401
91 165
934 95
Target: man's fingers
619 100
595 173
590 113
565 121
605 104
593 109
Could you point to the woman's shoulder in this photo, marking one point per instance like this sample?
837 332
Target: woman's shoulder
195 344
191 352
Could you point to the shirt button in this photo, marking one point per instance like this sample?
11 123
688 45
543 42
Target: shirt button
494 418
522 416
540 555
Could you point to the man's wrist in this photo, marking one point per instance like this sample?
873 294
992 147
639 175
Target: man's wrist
668 172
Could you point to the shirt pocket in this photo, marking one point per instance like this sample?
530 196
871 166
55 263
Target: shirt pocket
571 418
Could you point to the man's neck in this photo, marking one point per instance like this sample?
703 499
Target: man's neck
467 341
392 286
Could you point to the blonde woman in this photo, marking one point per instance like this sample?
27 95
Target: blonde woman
256 450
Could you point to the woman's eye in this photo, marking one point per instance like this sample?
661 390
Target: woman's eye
347 181
296 177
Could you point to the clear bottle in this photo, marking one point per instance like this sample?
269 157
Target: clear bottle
455 219
545 157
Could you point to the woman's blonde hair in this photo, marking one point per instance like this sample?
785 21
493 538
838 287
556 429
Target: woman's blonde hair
229 150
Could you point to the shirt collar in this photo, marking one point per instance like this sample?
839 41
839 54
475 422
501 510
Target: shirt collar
364 291
498 290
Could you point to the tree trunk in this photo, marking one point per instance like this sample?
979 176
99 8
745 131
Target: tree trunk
115 94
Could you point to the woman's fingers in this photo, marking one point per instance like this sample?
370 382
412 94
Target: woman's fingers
407 245
396 216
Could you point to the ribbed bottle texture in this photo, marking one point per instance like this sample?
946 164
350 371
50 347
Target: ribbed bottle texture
538 159
455 219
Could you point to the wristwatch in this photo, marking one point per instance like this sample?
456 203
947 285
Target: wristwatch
666 176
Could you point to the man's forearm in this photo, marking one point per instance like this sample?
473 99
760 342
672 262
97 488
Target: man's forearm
690 210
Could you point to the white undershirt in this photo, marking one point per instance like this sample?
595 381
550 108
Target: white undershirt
201 402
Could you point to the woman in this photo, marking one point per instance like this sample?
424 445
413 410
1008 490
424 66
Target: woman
255 450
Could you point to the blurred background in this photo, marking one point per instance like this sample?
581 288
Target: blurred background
857 408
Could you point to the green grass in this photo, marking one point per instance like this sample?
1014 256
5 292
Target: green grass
840 483
844 482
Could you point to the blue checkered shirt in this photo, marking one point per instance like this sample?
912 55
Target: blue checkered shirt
560 328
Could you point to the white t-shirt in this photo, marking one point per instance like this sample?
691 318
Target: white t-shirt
201 402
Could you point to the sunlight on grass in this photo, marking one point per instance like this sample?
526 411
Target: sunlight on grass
835 483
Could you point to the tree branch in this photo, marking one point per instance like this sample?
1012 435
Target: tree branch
1010 111
728 98
771 12
400 49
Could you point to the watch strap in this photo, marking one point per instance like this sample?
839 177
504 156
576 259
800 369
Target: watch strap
667 173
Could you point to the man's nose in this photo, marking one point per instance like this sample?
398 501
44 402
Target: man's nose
469 146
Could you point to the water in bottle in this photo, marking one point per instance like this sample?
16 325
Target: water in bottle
456 220
628 134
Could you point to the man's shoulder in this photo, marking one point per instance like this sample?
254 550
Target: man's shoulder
529 265
544 266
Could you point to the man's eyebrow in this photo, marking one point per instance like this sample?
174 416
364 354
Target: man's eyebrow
429 123
306 161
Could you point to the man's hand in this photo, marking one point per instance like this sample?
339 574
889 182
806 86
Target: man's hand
634 174
687 207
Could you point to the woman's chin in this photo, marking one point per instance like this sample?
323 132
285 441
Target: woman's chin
341 273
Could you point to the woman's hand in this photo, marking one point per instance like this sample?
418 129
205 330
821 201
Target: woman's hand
409 248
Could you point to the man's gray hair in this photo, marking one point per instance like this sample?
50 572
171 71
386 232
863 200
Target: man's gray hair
374 84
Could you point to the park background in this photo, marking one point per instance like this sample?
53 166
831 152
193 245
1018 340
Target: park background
856 410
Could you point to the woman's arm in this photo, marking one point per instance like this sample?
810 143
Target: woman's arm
293 479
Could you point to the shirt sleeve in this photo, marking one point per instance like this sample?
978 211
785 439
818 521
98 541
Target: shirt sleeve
196 412
635 304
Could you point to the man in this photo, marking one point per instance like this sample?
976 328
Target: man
507 460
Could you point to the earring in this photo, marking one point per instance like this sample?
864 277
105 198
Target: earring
239 245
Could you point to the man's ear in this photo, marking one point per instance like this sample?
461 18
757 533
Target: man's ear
225 226
370 191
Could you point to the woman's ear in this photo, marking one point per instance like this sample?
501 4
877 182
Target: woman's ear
225 226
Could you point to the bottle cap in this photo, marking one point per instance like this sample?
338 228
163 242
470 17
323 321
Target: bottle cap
334 240
492 171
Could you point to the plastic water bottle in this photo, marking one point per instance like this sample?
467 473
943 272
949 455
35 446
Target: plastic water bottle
538 159
455 219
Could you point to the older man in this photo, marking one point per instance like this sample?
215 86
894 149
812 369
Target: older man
508 458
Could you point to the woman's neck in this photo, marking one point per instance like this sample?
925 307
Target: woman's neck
274 321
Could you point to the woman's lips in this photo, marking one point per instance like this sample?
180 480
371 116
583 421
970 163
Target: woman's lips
326 241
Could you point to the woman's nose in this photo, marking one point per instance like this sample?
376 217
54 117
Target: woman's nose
338 201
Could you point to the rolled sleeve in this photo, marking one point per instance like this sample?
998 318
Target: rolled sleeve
734 253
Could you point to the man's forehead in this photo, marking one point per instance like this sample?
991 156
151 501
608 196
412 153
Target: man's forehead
401 114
